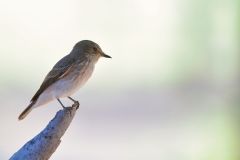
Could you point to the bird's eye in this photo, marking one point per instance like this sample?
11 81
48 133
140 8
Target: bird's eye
95 49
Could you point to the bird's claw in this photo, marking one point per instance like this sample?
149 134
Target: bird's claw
76 104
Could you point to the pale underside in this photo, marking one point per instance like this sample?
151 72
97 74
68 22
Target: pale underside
67 85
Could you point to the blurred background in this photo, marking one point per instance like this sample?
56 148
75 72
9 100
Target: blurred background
171 90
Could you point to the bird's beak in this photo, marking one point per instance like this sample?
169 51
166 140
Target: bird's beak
105 55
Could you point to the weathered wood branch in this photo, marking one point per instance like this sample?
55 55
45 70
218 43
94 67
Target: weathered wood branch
42 146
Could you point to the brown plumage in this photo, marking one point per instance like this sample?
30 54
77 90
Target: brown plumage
71 72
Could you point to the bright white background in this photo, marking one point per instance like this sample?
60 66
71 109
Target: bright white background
169 92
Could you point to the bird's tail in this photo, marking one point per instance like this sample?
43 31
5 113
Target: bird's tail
26 111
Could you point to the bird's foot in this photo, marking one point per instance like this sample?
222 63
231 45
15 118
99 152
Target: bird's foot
76 104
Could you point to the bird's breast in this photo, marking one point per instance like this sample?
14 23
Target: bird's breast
83 74
74 80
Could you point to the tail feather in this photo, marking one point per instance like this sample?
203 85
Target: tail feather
26 111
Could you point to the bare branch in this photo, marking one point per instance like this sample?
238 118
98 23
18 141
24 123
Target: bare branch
42 146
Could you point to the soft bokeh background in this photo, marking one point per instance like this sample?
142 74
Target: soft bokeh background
171 90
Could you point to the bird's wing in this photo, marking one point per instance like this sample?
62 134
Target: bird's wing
61 69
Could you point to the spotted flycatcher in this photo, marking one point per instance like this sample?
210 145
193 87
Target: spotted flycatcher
67 75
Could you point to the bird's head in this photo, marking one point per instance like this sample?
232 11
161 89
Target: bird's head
89 48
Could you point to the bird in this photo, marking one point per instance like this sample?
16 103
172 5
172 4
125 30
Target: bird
68 75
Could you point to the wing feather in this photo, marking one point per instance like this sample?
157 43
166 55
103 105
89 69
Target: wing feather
60 70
